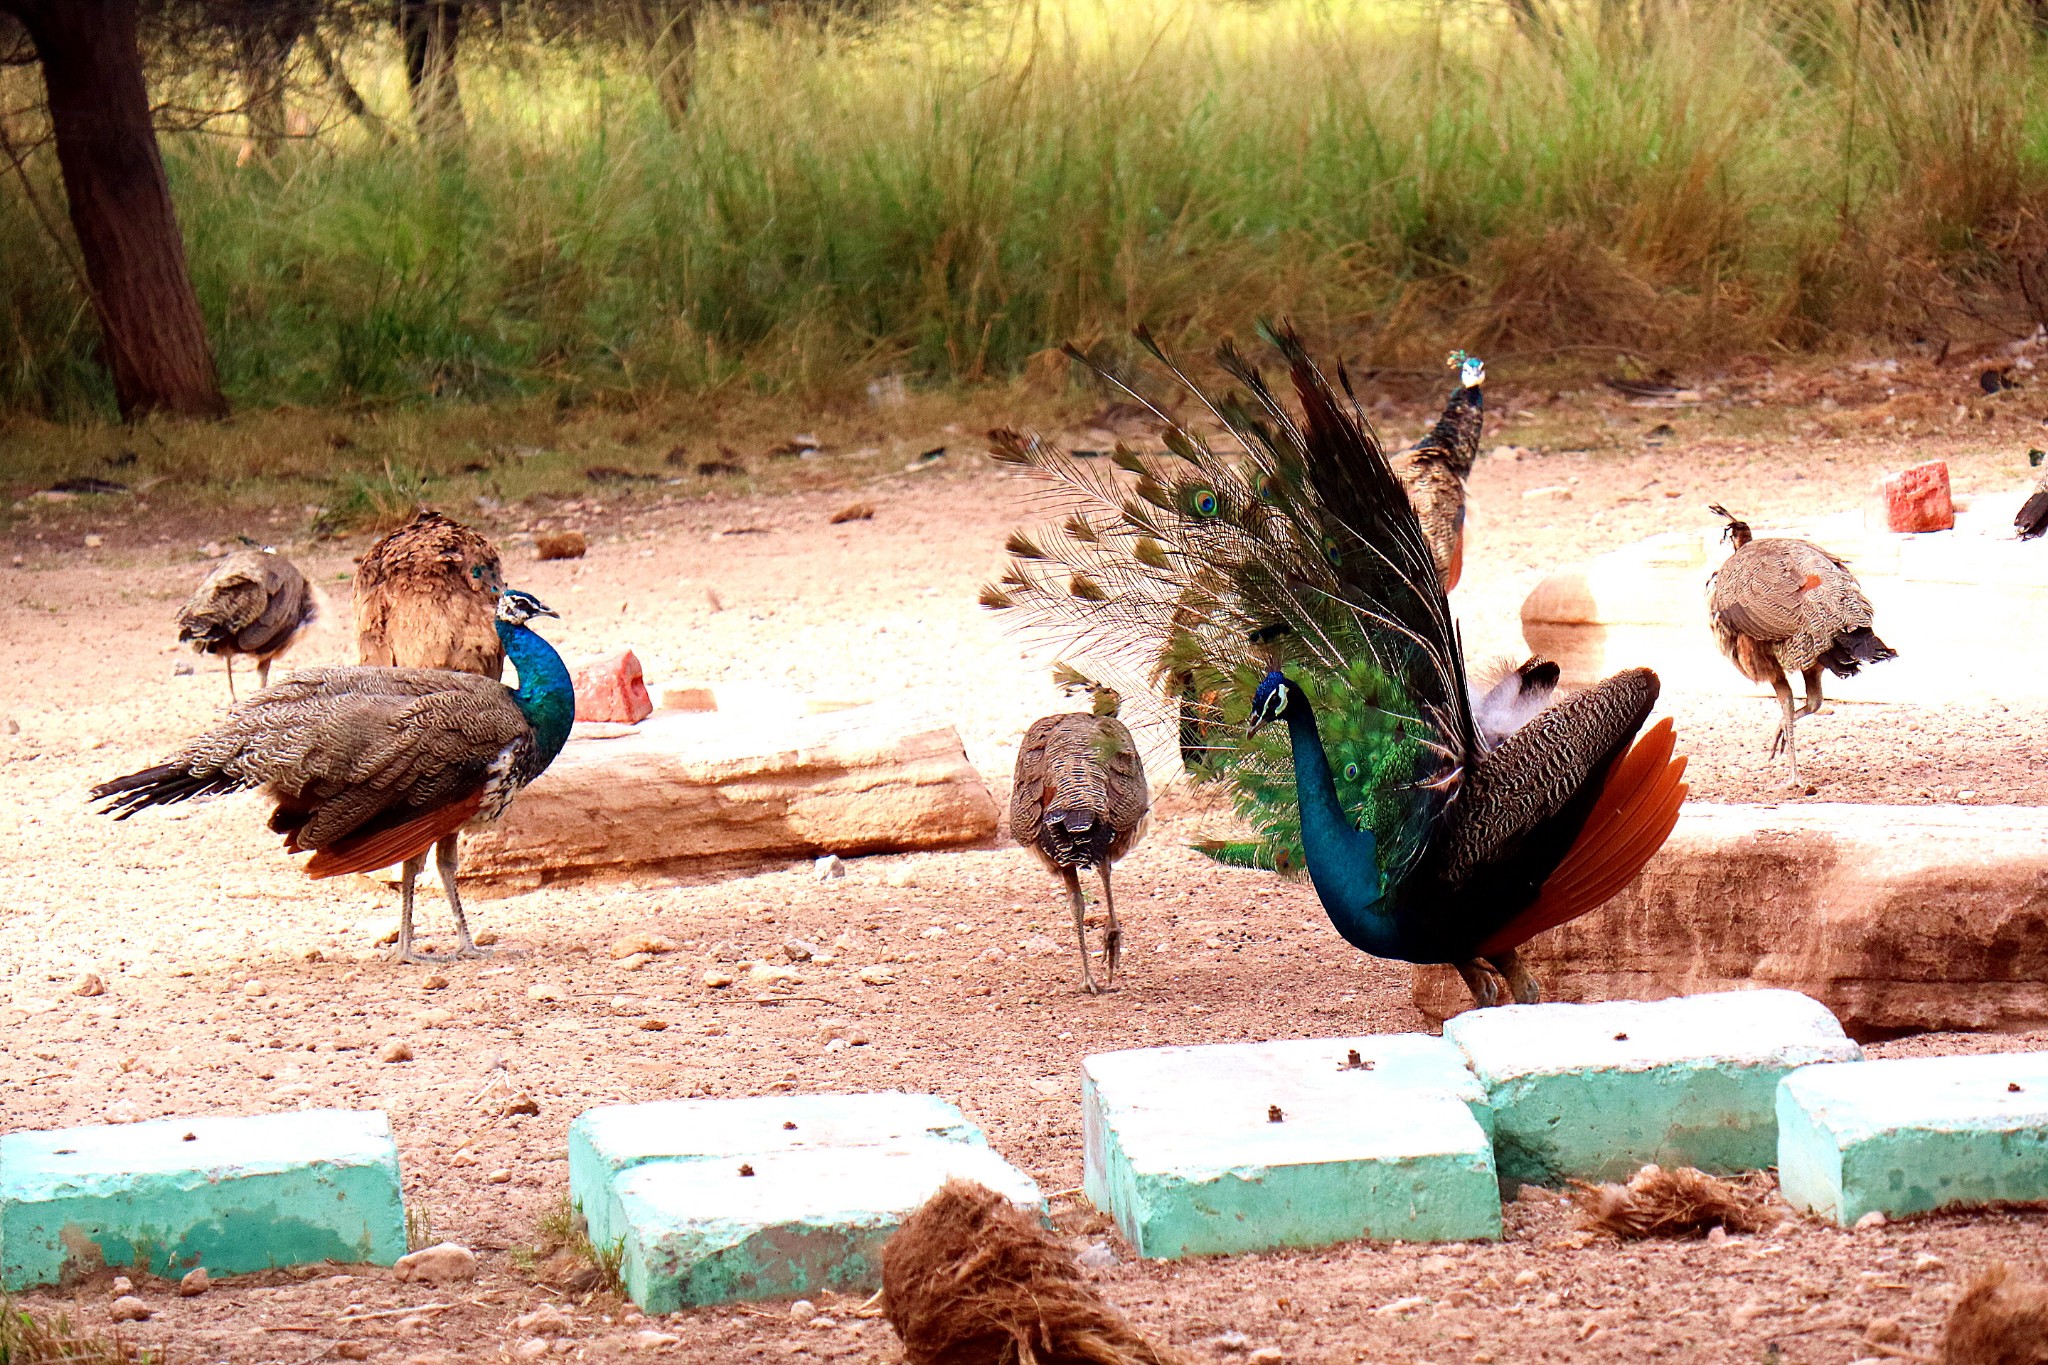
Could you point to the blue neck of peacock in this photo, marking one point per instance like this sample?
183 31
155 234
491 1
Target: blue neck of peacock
1343 860
546 695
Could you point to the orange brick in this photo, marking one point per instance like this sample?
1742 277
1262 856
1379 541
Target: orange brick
1917 499
611 688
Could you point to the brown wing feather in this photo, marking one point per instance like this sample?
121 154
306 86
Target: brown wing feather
372 849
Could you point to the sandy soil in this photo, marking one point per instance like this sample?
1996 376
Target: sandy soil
234 984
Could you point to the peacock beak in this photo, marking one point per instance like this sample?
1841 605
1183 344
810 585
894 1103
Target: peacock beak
1253 726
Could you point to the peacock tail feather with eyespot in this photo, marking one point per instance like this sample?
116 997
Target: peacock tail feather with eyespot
1288 553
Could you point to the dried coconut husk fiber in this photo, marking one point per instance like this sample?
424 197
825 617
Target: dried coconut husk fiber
1671 1203
971 1279
2001 1319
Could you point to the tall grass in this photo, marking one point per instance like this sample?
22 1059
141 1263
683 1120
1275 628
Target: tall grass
949 193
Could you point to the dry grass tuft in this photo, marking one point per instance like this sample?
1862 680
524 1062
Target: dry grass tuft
28 1340
1674 1203
970 1279
2000 1320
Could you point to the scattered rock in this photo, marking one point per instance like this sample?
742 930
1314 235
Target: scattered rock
397 1050
1917 499
854 511
93 542
771 974
124 1111
1927 1262
89 983
128 1308
182 669
501 1176
560 545
630 945
435 1018
545 1321
828 867
436 982
519 1103
1096 1256
1266 1355
1874 1219
1231 1341
1551 492
1883 1331
877 976
651 1340
612 688
803 1310
798 950
122 1285
255 990
900 878
1039 945
533 1348
717 980
441 1264
354 1350
653 1025
195 1283
544 990
463 1157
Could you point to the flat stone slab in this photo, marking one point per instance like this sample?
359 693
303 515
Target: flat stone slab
1911 1134
1594 1091
230 1194
614 1138
703 1232
1897 918
1180 1147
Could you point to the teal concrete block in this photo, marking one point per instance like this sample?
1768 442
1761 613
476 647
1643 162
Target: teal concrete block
1595 1091
231 1194
1180 1148
1912 1134
701 1232
606 1141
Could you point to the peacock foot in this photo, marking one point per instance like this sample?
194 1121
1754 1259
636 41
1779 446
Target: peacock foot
1479 981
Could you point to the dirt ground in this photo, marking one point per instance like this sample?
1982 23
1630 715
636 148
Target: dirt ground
234 984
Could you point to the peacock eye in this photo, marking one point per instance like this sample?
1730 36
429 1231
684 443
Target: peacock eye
1350 772
1205 503
1265 489
1330 550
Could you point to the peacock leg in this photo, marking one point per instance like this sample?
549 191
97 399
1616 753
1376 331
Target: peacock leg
1520 982
262 673
408 875
231 677
1073 881
1784 742
1113 940
1813 697
447 858
1479 981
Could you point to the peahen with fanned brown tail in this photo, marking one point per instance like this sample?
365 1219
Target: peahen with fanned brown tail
1288 577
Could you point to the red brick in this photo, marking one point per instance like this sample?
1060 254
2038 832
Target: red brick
1917 499
611 688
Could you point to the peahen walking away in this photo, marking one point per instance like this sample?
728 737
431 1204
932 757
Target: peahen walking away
1080 801
1434 469
1290 576
426 597
255 602
2032 518
1779 605
374 766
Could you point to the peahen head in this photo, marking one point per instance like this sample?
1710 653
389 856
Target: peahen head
1270 702
517 608
1471 369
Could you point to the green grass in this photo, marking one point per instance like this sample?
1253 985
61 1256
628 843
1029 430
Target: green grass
945 195
26 1339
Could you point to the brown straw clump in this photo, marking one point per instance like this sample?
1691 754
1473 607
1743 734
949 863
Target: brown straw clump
971 1279
2000 1320
1674 1203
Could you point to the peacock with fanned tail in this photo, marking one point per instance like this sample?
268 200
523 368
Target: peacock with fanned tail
1287 576
371 766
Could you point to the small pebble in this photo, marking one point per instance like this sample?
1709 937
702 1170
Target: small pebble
353 1350
520 1103
182 669
255 990
1928 1261
651 1340
128 1308
653 1025
798 950
501 1176
1874 1219
122 1285
397 1050
544 990
1097 1256
1525 1278
633 945
546 1320
877 976
717 980
900 877
1266 1355
438 1264
436 982
89 983
463 1157
533 1348
803 1310
1716 1235
828 867
194 1283
1231 1341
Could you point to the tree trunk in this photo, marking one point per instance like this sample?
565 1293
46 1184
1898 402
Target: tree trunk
668 31
153 335
263 48
428 32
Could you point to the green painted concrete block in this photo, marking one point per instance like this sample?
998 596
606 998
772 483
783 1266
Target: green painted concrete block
231 1194
614 1138
703 1232
1911 1134
1180 1146
1595 1091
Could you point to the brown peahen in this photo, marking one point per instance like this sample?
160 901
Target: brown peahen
2032 518
1080 801
1289 576
373 766
427 597
1434 469
1779 605
254 603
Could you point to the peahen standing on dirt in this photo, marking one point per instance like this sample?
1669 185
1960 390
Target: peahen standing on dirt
1434 469
1779 605
427 597
255 602
1080 801
374 766
1290 577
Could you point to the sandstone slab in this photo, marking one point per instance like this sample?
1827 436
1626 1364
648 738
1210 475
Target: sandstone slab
1595 1092
1937 598
694 787
1307 1142
1899 919
1910 1134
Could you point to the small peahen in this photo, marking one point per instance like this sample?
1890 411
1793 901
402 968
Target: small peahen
426 597
1434 469
255 602
374 766
1080 801
1290 577
1779 604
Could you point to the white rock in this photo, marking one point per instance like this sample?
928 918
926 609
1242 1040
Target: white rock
533 1348
799 950
803 1310
545 990
89 983
128 1308
122 1285
877 976
651 1340
1874 1219
255 990
438 1264
900 877
828 867
1231 1341
195 1282
716 979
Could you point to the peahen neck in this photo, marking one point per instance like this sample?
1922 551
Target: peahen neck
1342 859
547 694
